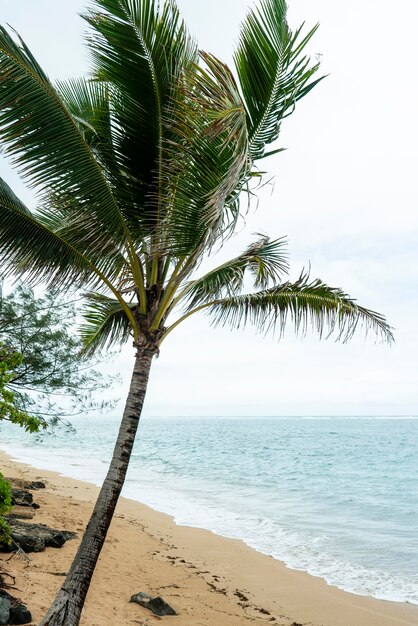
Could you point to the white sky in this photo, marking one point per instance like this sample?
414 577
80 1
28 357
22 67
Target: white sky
344 193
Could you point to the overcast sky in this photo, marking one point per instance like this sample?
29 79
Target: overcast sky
344 193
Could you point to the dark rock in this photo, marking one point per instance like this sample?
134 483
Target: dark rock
20 614
140 598
21 497
35 537
35 484
160 607
25 484
5 606
157 605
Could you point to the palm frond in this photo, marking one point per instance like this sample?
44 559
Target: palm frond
264 259
272 70
306 304
44 141
207 156
140 50
267 260
105 324
68 221
31 248
89 102
9 198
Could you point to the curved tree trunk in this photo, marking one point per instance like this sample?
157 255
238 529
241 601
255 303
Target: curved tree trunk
68 604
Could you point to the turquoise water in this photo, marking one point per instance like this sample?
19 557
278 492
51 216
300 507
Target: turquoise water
336 497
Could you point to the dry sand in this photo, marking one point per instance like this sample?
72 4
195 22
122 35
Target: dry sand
209 580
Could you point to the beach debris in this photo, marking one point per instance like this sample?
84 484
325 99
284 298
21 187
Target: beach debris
263 611
240 595
217 589
157 605
3 582
35 537
21 554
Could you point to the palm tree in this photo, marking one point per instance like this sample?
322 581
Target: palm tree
140 169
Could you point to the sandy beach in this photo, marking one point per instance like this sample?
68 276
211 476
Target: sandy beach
209 580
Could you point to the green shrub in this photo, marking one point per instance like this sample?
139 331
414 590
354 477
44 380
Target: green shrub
5 506
9 408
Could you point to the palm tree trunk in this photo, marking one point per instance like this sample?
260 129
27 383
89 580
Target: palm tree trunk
68 604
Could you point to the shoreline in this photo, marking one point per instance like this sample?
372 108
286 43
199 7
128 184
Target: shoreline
203 575
35 461
77 467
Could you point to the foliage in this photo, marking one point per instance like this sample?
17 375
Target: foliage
5 507
51 379
9 406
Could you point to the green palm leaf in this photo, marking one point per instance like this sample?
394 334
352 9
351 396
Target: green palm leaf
105 324
89 102
9 198
141 50
264 259
69 222
45 142
272 71
207 157
306 305
31 248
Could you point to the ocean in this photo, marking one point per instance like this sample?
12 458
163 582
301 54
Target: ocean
335 497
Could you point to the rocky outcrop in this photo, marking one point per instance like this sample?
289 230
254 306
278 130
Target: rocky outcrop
35 537
26 484
21 497
34 484
29 538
